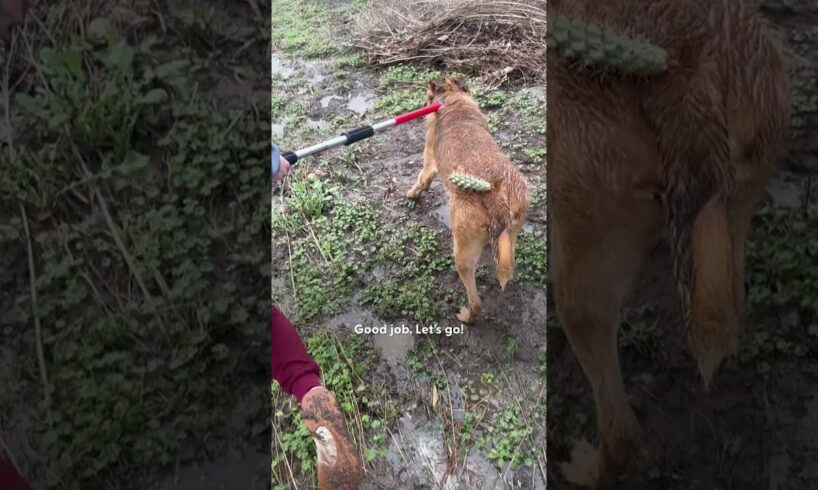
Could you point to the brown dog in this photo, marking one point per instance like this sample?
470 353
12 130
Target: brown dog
458 140
687 155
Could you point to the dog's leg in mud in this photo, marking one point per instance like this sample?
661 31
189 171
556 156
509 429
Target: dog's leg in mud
469 241
590 286
426 174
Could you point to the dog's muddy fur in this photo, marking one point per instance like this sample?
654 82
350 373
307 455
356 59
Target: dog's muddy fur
458 140
685 156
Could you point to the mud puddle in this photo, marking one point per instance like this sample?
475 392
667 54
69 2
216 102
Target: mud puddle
325 101
441 213
361 103
281 67
417 456
393 345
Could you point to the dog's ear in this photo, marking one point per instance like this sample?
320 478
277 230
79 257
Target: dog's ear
457 82
436 86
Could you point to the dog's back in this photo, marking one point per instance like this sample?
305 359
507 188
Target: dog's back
462 142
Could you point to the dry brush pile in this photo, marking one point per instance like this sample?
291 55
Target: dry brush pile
496 40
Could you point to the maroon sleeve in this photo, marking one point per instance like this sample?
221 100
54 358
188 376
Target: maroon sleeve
10 479
12 13
293 368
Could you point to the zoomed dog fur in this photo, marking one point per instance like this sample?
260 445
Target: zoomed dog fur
685 156
458 139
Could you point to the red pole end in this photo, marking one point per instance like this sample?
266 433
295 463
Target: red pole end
417 113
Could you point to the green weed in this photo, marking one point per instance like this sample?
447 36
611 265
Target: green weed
505 438
783 291
532 259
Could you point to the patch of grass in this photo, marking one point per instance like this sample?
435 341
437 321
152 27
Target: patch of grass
399 101
511 348
337 246
537 155
532 260
489 99
537 190
404 88
782 299
350 61
406 75
303 28
505 438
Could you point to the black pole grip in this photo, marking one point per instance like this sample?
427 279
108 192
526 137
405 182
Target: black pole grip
358 134
290 157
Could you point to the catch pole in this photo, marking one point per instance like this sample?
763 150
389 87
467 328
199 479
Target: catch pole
361 133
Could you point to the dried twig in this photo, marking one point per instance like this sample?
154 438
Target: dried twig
112 227
38 331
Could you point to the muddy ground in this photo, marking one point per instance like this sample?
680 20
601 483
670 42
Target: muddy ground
460 411
758 426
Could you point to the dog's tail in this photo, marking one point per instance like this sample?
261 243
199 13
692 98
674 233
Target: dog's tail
504 217
505 259
713 323
701 248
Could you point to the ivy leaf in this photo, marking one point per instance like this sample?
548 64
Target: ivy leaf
133 162
172 68
155 96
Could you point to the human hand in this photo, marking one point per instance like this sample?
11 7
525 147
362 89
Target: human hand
283 168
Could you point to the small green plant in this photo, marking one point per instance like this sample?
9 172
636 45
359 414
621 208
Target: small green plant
511 348
781 272
506 437
350 61
490 99
532 259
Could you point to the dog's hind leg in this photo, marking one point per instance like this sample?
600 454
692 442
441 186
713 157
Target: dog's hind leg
593 268
469 241
426 174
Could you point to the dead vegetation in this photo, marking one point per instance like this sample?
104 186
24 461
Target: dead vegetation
496 40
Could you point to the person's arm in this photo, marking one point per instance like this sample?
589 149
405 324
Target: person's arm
12 13
293 367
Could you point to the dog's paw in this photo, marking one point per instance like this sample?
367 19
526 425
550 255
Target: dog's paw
465 315
583 469
412 194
